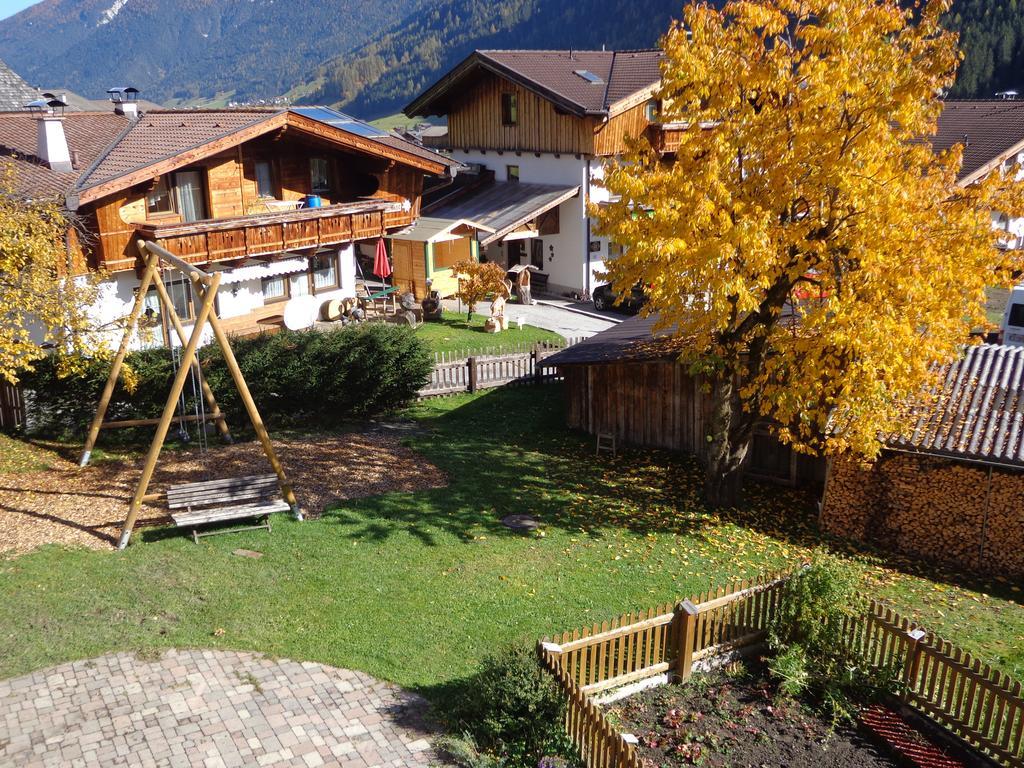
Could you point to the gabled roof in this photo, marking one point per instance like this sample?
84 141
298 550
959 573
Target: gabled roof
990 130
89 134
631 341
161 141
432 229
559 76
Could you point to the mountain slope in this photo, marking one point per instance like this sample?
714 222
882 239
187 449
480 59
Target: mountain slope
183 49
387 72
383 75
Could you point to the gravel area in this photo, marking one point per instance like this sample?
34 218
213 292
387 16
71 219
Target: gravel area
86 507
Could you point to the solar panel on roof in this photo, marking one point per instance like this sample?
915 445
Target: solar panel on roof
340 120
589 76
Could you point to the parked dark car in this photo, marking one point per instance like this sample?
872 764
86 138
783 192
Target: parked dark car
604 298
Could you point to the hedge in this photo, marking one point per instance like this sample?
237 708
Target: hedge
294 376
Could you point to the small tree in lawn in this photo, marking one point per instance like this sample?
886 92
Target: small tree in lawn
815 254
36 289
477 281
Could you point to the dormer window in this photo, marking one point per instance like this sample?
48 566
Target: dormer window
509 109
589 76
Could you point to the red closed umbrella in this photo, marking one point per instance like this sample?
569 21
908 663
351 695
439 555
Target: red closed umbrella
381 265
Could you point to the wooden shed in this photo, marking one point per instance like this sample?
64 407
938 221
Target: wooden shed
428 249
628 381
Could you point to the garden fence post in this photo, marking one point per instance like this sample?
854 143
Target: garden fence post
471 362
535 360
913 662
686 626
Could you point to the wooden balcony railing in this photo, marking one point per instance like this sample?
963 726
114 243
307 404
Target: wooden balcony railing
665 137
266 233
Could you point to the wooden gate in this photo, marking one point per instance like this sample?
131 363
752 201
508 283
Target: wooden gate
12 407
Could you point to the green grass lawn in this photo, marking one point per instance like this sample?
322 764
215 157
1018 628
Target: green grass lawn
416 588
454 334
20 456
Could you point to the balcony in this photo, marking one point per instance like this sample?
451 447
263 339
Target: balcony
268 233
664 137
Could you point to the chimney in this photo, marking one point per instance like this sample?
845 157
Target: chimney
126 101
51 141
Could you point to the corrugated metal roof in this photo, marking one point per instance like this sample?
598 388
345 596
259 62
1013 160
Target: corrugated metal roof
978 412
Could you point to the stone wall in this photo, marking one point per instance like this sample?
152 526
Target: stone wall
967 516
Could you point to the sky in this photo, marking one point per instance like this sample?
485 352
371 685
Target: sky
11 7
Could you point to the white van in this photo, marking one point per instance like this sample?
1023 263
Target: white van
1013 318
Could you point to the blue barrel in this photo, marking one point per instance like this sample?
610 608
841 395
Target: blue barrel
313 201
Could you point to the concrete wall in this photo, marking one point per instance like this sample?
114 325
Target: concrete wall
965 516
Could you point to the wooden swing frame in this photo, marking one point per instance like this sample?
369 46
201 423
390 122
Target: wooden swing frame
205 286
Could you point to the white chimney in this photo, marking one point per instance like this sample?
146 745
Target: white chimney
51 141
126 101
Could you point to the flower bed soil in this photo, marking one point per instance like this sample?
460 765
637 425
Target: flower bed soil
719 719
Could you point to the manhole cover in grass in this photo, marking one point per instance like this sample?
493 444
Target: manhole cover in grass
520 523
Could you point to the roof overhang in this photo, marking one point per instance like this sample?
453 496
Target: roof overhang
431 229
991 165
284 120
539 210
430 102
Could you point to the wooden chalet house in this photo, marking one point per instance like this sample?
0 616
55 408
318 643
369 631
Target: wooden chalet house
225 189
534 128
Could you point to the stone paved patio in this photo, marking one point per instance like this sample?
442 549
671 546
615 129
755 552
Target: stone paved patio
208 708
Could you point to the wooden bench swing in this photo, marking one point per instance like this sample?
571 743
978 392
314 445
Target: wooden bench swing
191 505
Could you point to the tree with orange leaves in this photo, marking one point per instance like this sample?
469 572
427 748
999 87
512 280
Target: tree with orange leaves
817 255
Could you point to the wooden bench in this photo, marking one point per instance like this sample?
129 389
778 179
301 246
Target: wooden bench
217 501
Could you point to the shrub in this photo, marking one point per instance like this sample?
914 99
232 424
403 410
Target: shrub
324 376
329 375
63 406
514 710
810 654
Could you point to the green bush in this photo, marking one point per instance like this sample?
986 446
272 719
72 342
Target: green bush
513 710
328 375
63 406
810 656
294 376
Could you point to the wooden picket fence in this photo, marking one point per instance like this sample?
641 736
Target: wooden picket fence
12 407
467 371
980 705
663 641
944 683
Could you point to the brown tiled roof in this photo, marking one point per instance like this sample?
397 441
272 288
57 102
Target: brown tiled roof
163 134
553 74
989 129
88 134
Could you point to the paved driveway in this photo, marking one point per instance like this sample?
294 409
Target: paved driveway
213 709
556 315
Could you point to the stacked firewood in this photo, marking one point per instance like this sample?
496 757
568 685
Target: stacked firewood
937 509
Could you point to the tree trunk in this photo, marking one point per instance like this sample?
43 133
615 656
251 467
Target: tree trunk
729 439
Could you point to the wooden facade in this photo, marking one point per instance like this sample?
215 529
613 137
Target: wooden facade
475 122
414 262
611 136
368 196
659 404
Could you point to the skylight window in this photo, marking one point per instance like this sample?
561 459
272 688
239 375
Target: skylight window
589 76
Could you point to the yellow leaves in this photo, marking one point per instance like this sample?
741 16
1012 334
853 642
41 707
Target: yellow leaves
801 189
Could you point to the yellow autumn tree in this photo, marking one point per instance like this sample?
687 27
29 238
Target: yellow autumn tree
477 281
814 254
41 307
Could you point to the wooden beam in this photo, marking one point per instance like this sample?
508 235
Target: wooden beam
209 293
195 274
211 401
115 367
124 423
254 414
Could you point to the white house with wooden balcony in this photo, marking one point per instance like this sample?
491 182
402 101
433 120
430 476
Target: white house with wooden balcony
535 129
277 200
